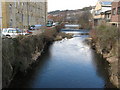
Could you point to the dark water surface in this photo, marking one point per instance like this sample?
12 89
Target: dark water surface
69 63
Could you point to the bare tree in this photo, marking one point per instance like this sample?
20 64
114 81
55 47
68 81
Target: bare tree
84 20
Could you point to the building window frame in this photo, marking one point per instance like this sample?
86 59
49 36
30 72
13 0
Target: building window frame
118 10
10 5
114 11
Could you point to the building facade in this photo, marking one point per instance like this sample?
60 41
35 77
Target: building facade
22 14
115 18
102 11
0 17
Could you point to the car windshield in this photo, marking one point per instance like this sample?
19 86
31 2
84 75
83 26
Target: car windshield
19 31
10 31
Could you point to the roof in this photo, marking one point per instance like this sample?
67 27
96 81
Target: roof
106 2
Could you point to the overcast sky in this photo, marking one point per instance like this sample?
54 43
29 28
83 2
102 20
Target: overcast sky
69 4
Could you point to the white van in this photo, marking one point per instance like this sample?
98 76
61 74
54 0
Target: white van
12 32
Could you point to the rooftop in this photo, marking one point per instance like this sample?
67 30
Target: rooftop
106 2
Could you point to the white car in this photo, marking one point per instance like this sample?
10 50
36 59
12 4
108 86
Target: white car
55 23
12 32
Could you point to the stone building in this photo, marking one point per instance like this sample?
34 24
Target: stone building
19 14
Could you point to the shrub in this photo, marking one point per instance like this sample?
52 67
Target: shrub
105 35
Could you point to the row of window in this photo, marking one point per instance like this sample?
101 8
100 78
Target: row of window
116 11
34 6
97 12
30 10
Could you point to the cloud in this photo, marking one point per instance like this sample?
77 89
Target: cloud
69 4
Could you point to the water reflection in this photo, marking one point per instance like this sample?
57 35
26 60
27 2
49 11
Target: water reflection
102 68
26 81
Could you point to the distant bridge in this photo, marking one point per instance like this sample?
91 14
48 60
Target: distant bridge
70 29
72 26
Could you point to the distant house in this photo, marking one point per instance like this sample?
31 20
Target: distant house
107 17
115 18
102 11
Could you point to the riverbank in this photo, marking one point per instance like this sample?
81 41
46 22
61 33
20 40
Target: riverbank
19 54
105 41
62 35
71 57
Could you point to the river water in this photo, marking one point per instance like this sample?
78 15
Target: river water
69 63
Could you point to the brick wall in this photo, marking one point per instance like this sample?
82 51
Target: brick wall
116 17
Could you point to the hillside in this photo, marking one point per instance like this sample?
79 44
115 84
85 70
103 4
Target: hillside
78 16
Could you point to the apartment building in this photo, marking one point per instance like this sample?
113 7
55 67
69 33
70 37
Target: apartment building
115 18
19 14
102 11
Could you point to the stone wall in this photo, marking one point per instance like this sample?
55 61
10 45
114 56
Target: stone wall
112 60
21 14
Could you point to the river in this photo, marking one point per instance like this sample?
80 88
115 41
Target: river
69 63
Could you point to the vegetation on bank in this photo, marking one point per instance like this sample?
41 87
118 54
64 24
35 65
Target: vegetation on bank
107 37
18 54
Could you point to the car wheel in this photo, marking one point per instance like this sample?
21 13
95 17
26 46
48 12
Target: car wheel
8 36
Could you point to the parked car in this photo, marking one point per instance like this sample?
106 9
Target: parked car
29 31
12 32
3 30
55 23
49 23
35 27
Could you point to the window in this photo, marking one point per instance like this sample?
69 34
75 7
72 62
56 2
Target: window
10 31
18 3
15 4
10 5
14 31
22 4
10 22
22 17
108 15
118 10
114 11
97 12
